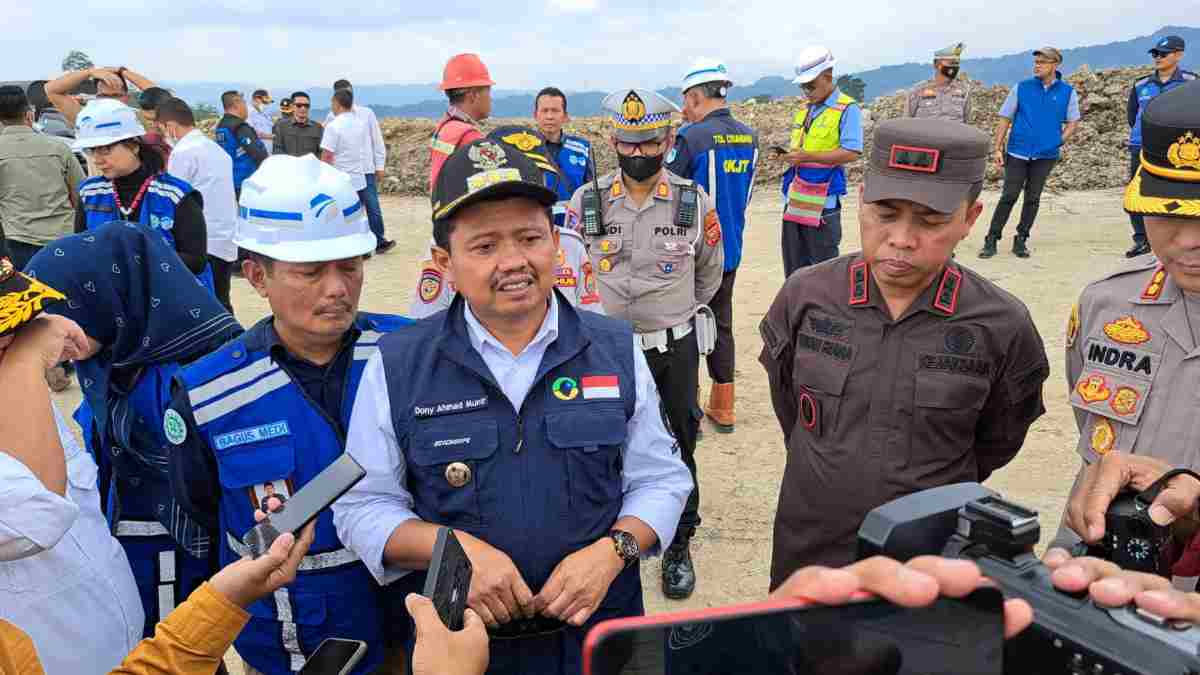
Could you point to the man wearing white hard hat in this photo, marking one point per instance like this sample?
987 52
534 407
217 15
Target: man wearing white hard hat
720 154
827 134
272 407
133 185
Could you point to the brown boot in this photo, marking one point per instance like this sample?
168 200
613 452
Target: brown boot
720 407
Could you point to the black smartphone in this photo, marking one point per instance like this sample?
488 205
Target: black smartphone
335 656
301 508
870 637
449 579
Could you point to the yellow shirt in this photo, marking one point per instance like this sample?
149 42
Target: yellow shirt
191 641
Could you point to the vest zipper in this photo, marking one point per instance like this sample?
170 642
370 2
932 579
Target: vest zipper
520 435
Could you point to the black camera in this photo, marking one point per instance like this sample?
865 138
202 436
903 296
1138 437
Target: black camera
1131 539
1070 634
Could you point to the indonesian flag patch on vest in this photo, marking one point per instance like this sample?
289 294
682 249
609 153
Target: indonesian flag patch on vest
600 386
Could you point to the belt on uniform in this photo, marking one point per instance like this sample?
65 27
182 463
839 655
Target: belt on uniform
316 561
140 528
659 339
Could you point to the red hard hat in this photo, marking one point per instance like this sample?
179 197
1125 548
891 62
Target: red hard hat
463 71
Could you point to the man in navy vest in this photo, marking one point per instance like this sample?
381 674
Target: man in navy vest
572 154
532 429
235 135
720 154
263 415
1036 110
1167 54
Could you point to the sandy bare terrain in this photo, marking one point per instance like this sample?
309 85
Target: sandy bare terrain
1078 237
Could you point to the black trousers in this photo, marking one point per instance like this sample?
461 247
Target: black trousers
804 246
21 252
676 373
1136 220
1021 174
222 272
720 361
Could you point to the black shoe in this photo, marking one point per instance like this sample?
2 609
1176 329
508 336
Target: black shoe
385 245
989 248
1139 248
678 574
1019 249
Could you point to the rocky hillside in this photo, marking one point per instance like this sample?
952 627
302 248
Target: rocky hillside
1095 158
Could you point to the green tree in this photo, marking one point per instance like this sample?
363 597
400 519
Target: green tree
77 60
852 86
204 111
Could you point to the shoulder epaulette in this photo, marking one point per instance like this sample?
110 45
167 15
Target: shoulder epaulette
1134 266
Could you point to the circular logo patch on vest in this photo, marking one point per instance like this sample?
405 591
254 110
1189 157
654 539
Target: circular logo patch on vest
174 427
565 389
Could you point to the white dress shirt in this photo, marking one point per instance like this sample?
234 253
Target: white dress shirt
344 137
198 160
655 482
64 580
376 157
263 124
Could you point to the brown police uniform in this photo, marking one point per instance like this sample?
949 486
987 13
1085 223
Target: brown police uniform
874 408
930 100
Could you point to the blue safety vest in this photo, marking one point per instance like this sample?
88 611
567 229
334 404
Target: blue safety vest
264 429
1037 123
243 164
721 153
1146 89
544 481
572 161
157 211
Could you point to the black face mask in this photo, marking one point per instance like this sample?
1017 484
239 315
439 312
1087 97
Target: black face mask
640 167
950 71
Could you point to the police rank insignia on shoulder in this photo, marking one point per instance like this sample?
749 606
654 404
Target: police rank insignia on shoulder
1127 330
1155 287
1073 326
430 285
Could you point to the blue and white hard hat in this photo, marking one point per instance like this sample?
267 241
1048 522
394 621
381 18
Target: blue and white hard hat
105 121
706 70
294 209
811 62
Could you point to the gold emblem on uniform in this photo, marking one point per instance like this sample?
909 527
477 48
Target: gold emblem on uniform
606 245
487 155
458 474
1073 326
1185 153
605 265
1125 401
522 140
1127 330
1103 436
6 269
1093 389
633 109
1155 287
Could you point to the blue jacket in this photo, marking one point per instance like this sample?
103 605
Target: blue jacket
720 154
574 170
241 141
246 417
1037 123
1144 91
157 210
546 480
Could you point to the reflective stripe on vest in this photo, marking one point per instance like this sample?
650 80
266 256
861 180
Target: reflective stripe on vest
829 118
310 563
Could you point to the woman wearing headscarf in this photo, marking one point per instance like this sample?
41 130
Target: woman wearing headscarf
145 316
132 184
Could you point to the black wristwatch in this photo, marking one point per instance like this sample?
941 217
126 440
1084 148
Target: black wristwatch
626 545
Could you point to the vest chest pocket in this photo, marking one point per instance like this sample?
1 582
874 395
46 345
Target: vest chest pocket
671 258
251 472
819 373
450 465
945 412
591 442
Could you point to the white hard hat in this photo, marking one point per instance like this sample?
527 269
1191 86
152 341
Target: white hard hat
289 211
706 70
341 187
811 62
105 121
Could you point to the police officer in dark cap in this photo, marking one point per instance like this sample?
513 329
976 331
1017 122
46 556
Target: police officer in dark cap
896 369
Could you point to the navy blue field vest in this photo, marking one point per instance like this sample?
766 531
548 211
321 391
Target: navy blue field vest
243 163
268 436
1037 124
545 481
157 211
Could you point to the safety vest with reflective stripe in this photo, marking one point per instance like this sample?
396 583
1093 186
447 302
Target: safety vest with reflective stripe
451 132
823 134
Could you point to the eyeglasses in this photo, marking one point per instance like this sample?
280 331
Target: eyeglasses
648 148
301 105
1160 55
101 151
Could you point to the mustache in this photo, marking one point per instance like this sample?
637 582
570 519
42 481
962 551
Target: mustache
528 274
339 306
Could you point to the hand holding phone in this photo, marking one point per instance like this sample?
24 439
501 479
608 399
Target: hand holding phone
335 656
448 583
321 492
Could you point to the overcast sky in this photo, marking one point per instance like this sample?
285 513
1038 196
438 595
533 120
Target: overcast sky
528 43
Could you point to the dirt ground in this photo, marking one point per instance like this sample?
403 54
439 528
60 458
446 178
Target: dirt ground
1078 237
